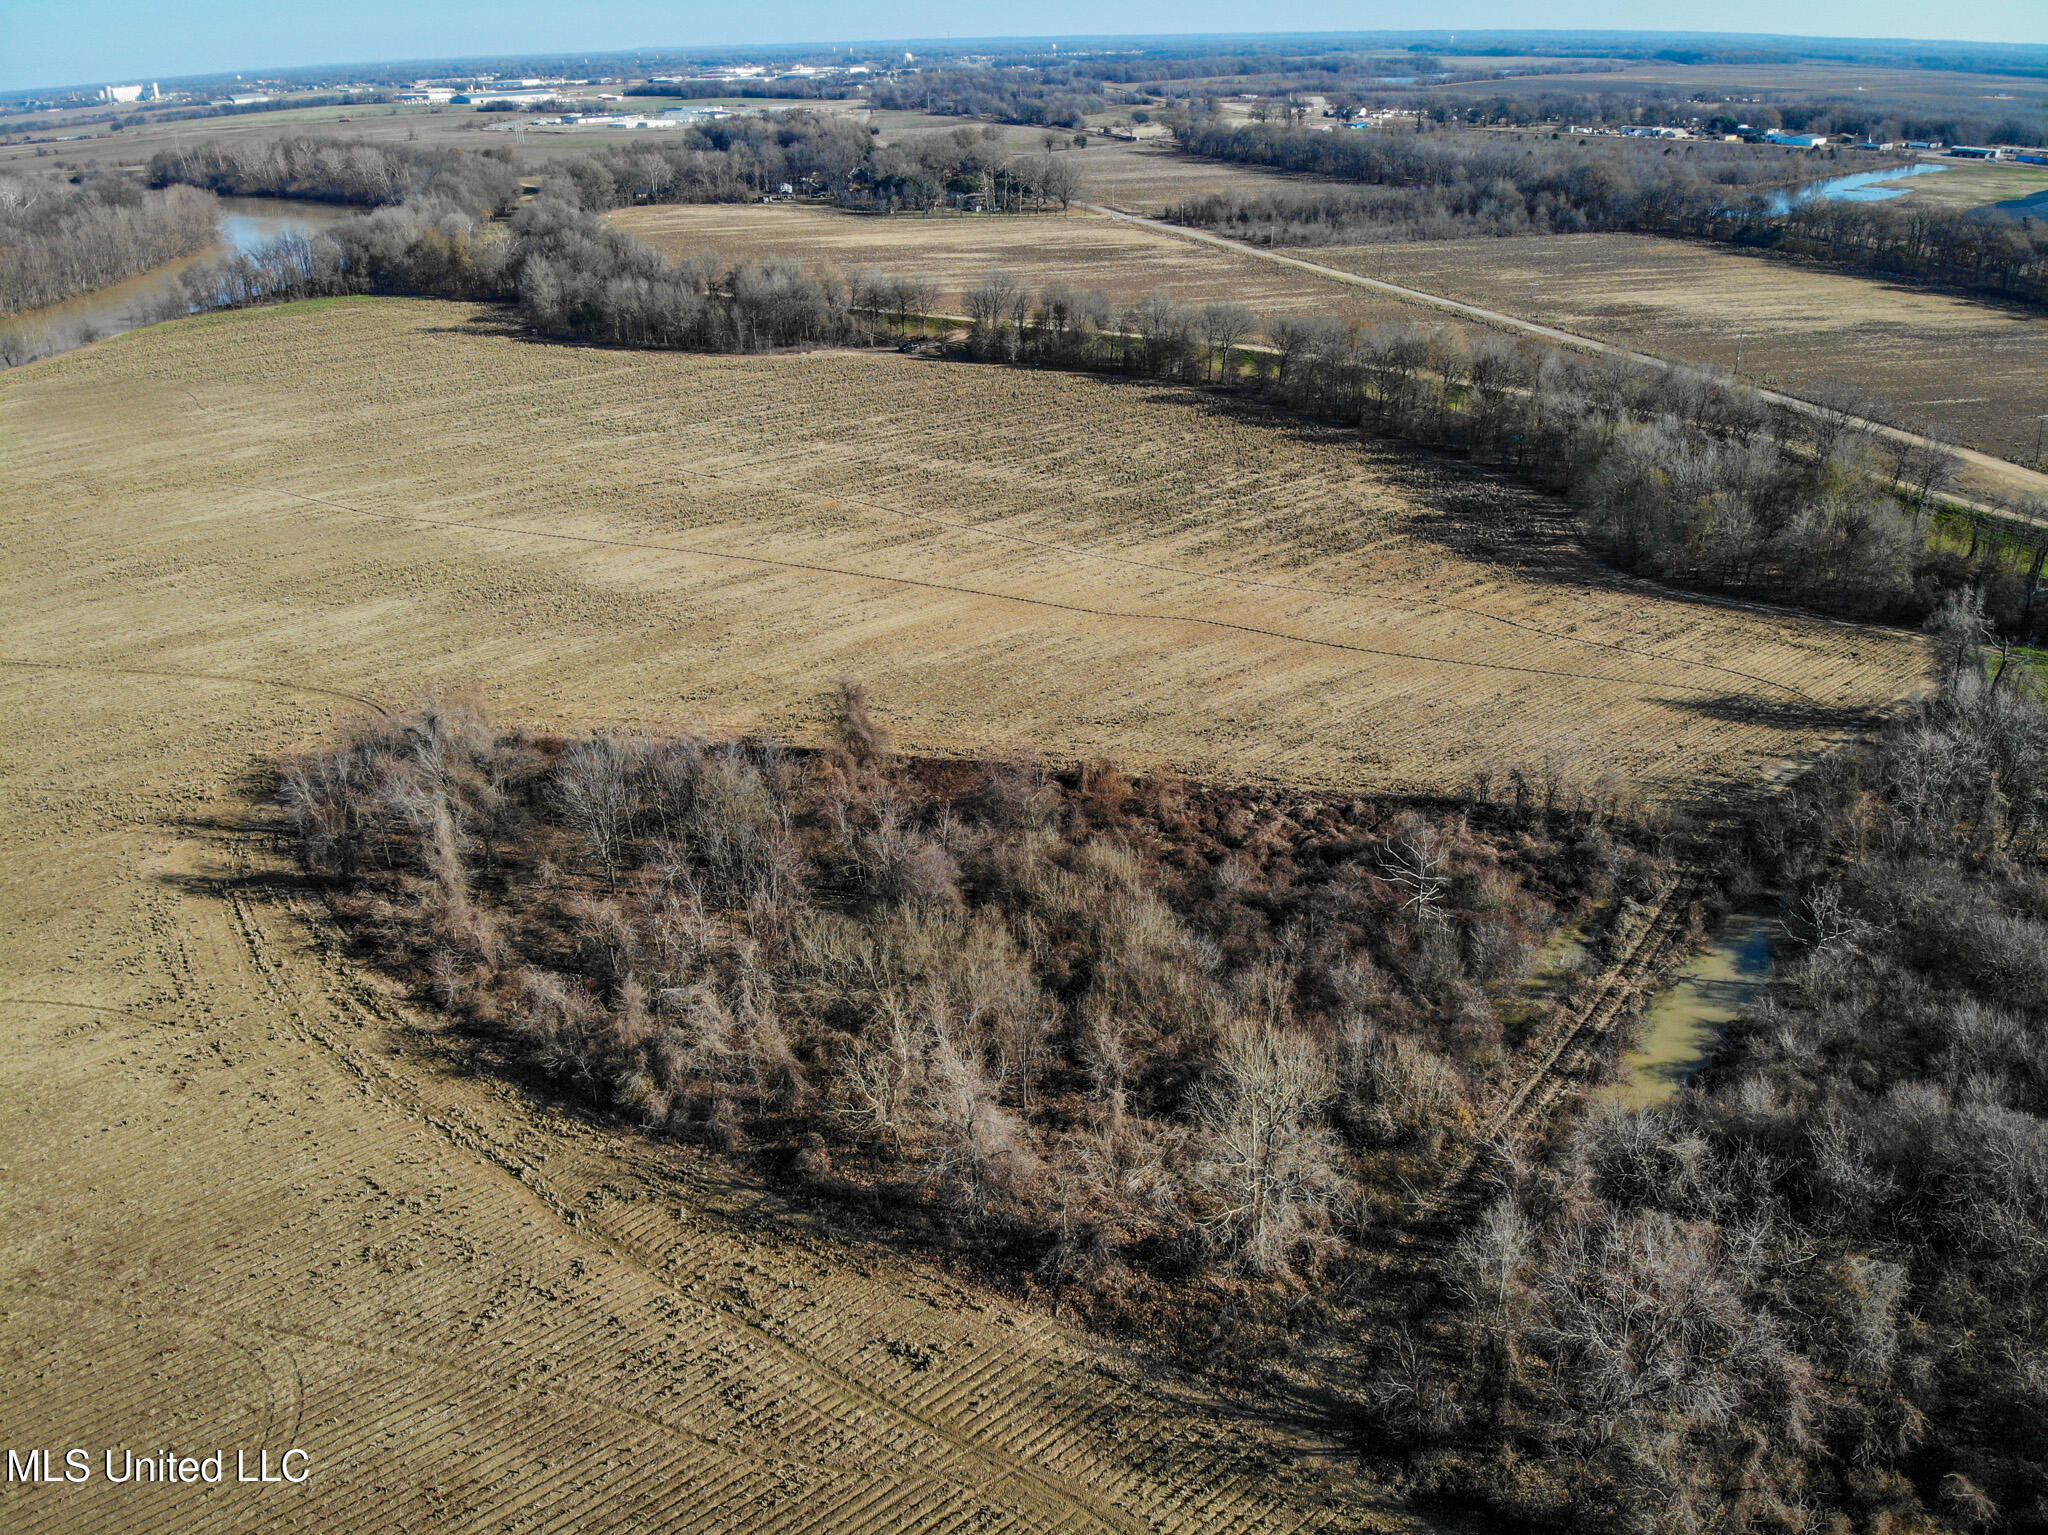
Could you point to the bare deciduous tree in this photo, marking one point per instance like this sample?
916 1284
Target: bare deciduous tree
1264 1152
593 784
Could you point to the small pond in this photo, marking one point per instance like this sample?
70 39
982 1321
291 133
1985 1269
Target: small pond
1860 187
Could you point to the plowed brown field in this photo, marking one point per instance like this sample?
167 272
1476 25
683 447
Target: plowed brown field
248 1201
1929 356
1084 250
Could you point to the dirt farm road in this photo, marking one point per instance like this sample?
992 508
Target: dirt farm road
2007 477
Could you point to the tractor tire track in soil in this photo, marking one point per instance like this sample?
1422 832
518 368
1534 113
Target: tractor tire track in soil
187 676
1032 1497
1652 941
1063 1509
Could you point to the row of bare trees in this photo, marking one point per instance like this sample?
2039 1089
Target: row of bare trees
343 171
58 241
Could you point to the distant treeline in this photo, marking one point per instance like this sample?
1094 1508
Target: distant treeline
1883 114
1887 53
745 158
829 89
1174 64
57 241
1430 187
738 159
344 171
1437 186
1678 474
247 108
1053 98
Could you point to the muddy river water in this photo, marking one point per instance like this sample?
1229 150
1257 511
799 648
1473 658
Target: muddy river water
245 224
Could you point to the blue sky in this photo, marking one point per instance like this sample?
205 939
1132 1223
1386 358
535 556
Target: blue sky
63 42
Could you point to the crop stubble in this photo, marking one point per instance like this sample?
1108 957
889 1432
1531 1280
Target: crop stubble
1084 250
1971 364
250 1203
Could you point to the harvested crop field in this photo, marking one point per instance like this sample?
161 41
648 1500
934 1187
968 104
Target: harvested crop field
1084 250
1973 365
251 1204
1095 566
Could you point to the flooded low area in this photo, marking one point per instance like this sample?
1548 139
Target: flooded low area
1685 1023
245 224
1860 187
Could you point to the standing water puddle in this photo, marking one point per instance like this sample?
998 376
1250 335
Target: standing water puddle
1709 992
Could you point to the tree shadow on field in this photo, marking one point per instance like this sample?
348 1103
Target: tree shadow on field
1474 510
1483 513
1804 716
498 322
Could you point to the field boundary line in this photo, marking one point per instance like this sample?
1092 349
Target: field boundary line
994 596
1082 551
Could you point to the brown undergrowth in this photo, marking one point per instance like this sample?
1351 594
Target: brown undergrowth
1145 1045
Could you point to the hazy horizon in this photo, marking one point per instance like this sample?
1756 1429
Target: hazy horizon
115 40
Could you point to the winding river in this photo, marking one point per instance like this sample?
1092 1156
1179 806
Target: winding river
1860 187
245 224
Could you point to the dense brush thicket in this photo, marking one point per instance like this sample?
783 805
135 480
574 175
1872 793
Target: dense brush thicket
57 240
1810 1296
1109 1032
1428 187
